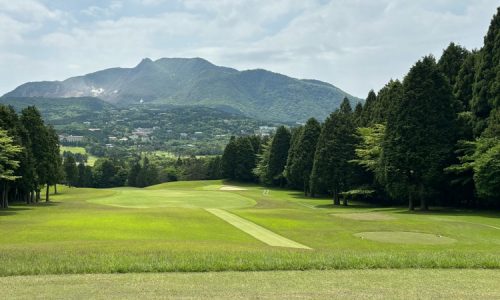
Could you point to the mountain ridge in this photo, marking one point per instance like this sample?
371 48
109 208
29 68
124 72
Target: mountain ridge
256 93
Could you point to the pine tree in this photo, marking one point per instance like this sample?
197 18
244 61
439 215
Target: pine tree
451 61
366 115
278 155
293 178
486 90
54 161
419 139
40 145
464 82
387 99
229 159
300 167
358 113
245 159
332 170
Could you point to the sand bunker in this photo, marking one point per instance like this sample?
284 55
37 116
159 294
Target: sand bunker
232 188
371 216
403 237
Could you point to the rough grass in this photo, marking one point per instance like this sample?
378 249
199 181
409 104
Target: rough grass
344 284
74 234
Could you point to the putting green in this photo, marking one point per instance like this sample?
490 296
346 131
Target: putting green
258 232
142 198
403 237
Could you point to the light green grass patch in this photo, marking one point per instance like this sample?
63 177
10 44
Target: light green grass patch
141 198
402 237
369 216
258 232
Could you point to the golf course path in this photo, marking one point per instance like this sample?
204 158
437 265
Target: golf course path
258 232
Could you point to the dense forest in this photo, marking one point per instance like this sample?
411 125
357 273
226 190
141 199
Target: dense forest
431 139
29 156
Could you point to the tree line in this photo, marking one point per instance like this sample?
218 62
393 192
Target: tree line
29 156
138 171
431 139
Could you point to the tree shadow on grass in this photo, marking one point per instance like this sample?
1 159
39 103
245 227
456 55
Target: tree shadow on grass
17 207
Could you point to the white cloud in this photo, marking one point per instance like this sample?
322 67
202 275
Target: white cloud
356 45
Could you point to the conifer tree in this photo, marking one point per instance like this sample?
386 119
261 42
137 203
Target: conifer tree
245 159
419 138
366 115
464 82
278 155
229 159
332 170
451 61
486 90
300 167
292 177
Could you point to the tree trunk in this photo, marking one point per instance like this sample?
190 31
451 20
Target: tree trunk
47 193
423 204
411 205
2 195
344 199
37 195
336 200
32 197
55 189
6 192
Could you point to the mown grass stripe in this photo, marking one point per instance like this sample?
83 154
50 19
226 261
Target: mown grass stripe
258 232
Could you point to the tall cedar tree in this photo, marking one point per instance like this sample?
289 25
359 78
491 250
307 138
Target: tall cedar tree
419 139
229 159
462 90
331 170
387 99
38 134
301 165
451 61
54 161
357 114
245 159
293 178
486 91
366 115
278 155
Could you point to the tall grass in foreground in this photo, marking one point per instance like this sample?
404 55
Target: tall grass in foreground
68 262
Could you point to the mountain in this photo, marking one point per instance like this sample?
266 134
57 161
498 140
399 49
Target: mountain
194 81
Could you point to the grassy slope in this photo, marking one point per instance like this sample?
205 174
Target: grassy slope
349 284
72 235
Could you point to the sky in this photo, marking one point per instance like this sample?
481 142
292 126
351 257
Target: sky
357 45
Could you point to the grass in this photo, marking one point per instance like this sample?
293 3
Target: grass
79 150
165 228
346 284
258 232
